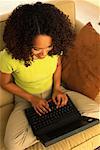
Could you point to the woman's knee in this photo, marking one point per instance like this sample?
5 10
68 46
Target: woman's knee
84 104
11 144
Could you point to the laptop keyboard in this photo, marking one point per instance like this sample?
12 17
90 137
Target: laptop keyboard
56 118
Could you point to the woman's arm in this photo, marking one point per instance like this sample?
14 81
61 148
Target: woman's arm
7 83
57 75
58 96
40 105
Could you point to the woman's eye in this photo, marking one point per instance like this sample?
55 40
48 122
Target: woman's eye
36 49
50 46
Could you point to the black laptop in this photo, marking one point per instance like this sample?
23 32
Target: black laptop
59 123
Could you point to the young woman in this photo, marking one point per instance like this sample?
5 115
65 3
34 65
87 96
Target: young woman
30 65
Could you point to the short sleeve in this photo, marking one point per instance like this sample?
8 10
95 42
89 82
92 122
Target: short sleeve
7 64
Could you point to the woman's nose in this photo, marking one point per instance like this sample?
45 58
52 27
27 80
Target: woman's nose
44 52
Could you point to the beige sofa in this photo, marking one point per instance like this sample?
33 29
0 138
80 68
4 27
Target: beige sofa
85 140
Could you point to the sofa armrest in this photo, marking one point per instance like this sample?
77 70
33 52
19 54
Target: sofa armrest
6 107
78 25
5 112
87 12
5 97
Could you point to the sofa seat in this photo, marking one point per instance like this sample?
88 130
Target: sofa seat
85 140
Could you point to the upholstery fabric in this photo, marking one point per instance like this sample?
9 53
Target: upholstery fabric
4 115
5 97
67 7
97 99
81 65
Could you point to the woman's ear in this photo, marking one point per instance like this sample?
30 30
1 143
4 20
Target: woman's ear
32 50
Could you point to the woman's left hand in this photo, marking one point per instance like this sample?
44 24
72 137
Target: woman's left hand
59 98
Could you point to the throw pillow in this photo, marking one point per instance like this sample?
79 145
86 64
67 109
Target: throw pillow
81 64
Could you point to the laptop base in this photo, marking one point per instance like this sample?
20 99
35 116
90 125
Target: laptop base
49 138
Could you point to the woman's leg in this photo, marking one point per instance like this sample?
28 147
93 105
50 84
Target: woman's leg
85 105
18 134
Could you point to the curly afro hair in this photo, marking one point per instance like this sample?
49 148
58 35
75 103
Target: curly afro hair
29 20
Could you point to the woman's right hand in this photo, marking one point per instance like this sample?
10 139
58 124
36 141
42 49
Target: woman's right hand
40 105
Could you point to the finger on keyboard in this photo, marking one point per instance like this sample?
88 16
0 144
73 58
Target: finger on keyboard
47 107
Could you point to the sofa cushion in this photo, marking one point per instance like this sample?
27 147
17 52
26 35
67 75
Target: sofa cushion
97 99
81 65
4 115
5 97
2 25
67 7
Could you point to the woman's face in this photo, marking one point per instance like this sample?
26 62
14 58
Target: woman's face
42 44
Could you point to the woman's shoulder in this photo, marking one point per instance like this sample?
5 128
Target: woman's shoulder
5 54
7 63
